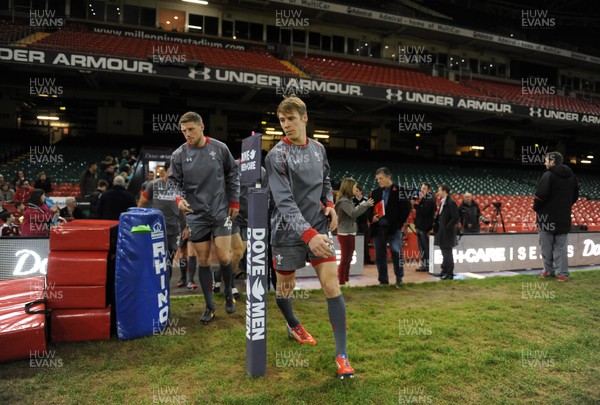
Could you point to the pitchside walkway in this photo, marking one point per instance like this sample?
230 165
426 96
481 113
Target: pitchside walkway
369 278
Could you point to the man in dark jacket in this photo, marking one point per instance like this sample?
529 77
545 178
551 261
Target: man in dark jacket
115 201
556 192
88 179
95 196
469 215
43 182
425 211
444 228
387 228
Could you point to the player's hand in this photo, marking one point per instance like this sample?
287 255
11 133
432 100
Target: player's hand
370 202
184 206
186 233
54 208
233 212
333 220
375 218
321 246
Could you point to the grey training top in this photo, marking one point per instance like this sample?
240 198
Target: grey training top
207 178
298 178
161 194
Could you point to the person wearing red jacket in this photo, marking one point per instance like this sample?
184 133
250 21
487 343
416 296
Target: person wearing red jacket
37 215
23 192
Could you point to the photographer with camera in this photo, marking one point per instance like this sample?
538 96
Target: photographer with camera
469 215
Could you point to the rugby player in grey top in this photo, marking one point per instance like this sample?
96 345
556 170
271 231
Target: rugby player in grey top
298 178
208 185
161 195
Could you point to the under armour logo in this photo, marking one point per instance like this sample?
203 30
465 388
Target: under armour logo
204 73
228 224
392 94
188 159
537 111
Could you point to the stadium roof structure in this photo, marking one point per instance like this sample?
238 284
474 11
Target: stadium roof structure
574 25
247 105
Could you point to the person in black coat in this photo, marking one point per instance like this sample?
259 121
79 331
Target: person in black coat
387 228
425 211
88 180
469 215
43 182
95 197
444 228
556 192
115 201
71 210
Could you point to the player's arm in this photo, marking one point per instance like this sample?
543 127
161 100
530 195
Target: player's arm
326 194
176 180
146 195
542 192
232 183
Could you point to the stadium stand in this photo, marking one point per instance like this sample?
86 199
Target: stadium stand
380 75
77 38
63 166
257 59
514 93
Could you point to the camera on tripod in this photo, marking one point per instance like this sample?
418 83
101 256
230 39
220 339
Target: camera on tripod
497 213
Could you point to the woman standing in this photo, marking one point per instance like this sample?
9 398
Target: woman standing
37 216
346 231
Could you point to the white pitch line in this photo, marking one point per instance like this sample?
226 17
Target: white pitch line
473 275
